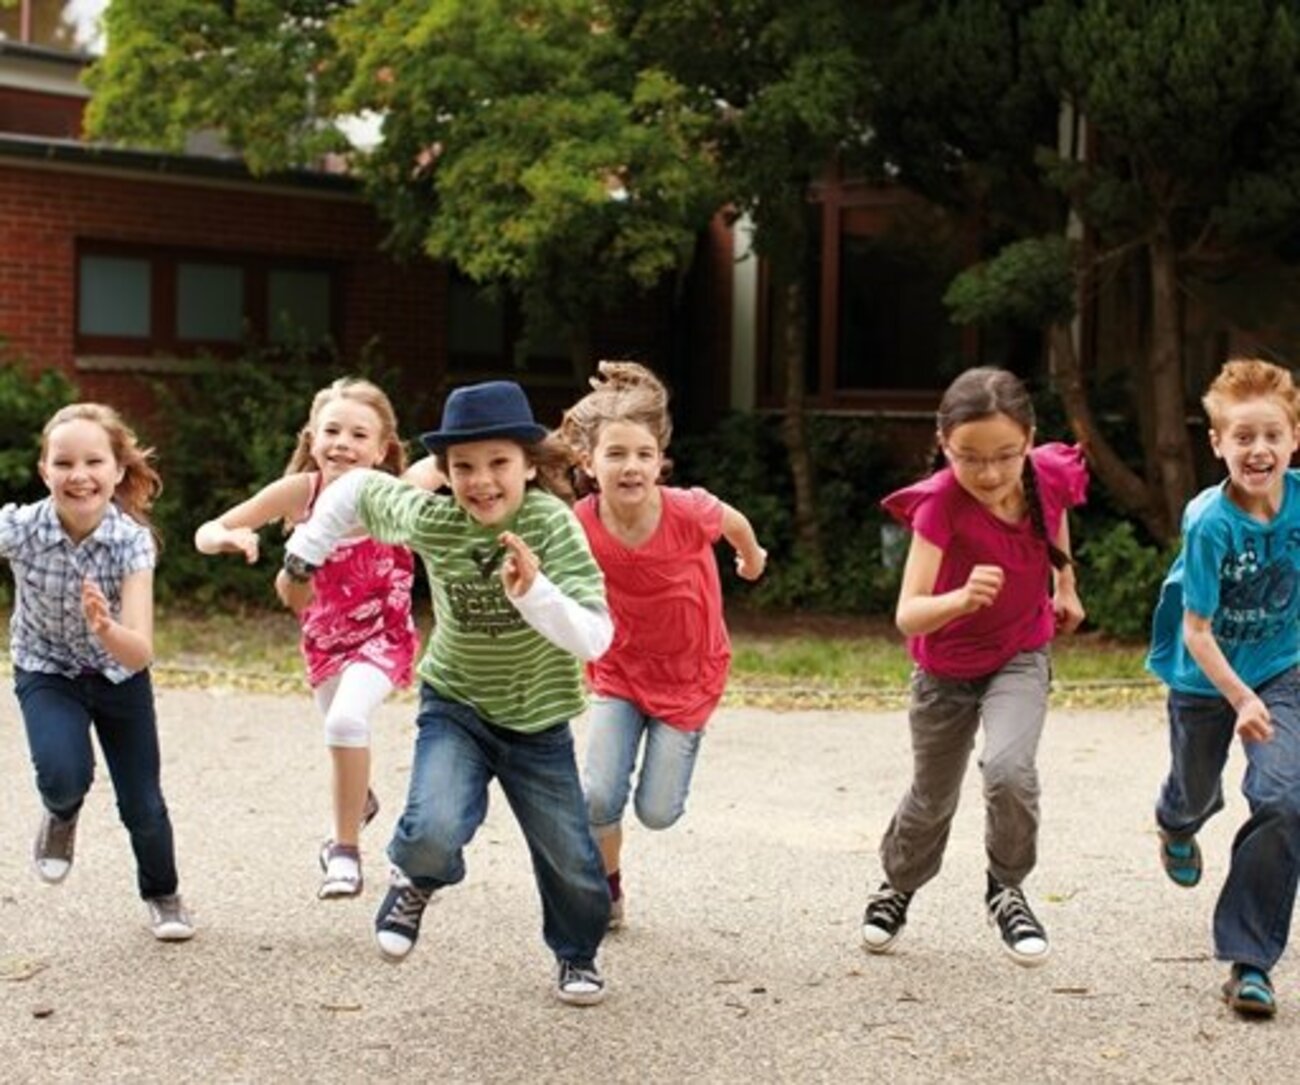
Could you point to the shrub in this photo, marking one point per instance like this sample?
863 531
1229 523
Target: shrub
745 464
1119 579
26 403
226 432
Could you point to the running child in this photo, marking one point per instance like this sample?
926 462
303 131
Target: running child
987 584
358 638
1226 641
81 638
517 602
664 674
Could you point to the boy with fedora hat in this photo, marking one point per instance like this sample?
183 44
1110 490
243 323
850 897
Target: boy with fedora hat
518 603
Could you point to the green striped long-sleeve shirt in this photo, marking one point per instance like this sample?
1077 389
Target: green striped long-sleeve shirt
482 651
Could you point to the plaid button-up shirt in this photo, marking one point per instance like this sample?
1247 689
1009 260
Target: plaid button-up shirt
48 631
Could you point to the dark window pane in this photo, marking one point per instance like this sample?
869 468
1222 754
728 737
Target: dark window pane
894 332
298 307
209 303
113 297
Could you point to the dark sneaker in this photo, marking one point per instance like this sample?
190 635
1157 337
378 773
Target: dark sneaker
1022 935
169 920
579 983
342 865
1249 992
885 918
56 840
397 923
1181 858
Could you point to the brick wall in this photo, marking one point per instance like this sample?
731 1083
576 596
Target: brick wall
44 210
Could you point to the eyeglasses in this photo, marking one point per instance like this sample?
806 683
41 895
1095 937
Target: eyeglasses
1002 462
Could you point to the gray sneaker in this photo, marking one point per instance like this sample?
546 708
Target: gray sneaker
56 840
169 920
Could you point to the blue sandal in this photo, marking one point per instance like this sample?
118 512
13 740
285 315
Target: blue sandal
1181 858
1249 992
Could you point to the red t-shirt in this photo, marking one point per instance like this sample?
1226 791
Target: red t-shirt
1021 617
671 653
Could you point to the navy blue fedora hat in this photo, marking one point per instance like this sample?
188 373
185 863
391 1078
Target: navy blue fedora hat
481 412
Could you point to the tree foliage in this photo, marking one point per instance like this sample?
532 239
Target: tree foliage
1184 166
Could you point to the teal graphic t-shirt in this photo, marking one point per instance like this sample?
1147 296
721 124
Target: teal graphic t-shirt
1243 575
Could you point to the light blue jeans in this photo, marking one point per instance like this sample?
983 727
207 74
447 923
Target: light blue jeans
614 736
1252 919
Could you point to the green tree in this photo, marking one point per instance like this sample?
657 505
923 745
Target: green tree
520 141
1188 168
784 85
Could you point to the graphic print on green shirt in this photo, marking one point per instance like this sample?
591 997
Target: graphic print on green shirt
482 652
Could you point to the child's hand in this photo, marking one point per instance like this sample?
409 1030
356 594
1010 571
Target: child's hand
1253 721
982 587
295 594
750 566
519 569
1068 610
243 540
94 605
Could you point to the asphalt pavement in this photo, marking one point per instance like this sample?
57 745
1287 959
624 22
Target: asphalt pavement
741 960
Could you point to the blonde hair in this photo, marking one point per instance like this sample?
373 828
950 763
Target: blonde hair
358 391
621 392
1249 378
140 484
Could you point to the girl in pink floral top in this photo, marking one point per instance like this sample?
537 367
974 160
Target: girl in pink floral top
358 638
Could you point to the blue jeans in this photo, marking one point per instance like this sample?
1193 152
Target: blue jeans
617 727
58 713
1253 916
457 754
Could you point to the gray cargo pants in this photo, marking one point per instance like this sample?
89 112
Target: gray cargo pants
944 715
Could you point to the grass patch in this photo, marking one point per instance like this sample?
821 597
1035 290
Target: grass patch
792 660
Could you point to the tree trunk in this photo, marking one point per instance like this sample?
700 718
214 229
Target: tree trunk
794 430
1128 489
1174 466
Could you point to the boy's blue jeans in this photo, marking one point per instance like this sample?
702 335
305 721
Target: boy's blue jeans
457 754
58 713
613 739
1253 916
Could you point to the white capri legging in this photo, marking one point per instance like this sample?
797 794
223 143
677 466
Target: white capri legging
347 700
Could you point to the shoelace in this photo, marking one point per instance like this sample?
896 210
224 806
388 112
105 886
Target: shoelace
890 904
58 833
1010 909
571 973
409 907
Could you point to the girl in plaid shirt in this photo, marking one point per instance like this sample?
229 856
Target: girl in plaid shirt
81 638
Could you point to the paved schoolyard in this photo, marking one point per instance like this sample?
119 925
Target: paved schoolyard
741 961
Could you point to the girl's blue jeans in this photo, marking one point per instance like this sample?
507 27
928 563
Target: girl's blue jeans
1252 919
457 754
58 713
613 739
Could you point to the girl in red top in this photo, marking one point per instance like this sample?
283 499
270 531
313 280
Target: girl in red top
987 584
665 672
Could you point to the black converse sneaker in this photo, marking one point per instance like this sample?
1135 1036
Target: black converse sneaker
1023 936
397 923
579 983
885 918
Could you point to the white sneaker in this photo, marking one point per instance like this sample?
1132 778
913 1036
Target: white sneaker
169 920
52 853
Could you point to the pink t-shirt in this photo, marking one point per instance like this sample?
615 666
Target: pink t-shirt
671 653
360 611
1021 617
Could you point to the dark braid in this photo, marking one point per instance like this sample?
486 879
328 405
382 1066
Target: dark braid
1058 557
